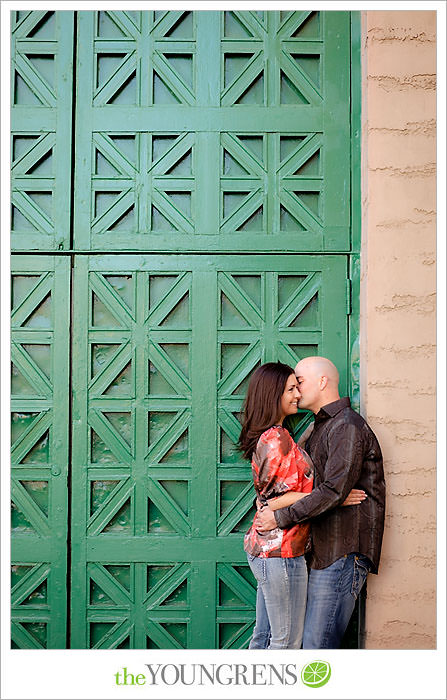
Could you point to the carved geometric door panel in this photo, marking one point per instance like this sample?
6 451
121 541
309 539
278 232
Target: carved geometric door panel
41 107
213 131
209 231
39 452
161 497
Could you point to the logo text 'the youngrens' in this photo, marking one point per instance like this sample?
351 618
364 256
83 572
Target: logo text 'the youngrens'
210 674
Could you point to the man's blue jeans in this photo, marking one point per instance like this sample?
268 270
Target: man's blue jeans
280 601
331 596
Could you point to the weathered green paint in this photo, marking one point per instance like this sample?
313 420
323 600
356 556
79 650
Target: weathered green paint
213 131
356 128
39 452
159 490
356 211
197 134
41 106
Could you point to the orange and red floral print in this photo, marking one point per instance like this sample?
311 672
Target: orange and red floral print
279 465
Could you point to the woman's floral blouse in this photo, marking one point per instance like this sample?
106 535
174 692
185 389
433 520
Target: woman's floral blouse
279 465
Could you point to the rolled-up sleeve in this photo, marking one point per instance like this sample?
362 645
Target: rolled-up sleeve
341 472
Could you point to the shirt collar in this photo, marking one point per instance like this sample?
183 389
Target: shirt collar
331 409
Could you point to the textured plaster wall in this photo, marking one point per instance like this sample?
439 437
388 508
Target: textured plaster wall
397 333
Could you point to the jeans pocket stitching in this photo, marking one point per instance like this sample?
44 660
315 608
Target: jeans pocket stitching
355 582
358 579
363 566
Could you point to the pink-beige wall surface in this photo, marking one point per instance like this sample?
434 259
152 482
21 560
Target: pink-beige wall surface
398 315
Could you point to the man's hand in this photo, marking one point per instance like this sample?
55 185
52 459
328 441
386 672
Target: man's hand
265 520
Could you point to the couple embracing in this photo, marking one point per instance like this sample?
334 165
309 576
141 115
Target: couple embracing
323 497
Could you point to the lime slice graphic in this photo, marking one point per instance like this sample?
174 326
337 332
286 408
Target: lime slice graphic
316 674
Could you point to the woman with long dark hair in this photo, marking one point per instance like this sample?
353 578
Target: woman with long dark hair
278 466
282 473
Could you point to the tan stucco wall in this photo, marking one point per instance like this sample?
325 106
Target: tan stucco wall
398 321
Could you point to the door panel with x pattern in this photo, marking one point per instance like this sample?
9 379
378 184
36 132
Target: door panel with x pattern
248 138
155 458
39 451
41 105
196 132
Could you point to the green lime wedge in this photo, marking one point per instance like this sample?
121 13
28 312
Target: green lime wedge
316 674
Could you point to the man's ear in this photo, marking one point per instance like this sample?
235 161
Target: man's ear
323 383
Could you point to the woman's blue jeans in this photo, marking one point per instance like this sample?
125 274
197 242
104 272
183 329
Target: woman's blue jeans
280 601
331 596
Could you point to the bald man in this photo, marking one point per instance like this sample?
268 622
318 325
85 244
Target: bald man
346 541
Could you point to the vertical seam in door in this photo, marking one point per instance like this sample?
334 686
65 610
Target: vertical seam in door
70 340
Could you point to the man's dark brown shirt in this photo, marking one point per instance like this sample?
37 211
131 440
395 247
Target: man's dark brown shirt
346 455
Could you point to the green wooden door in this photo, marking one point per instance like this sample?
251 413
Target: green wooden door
163 349
41 121
39 453
205 227
218 131
197 132
41 139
